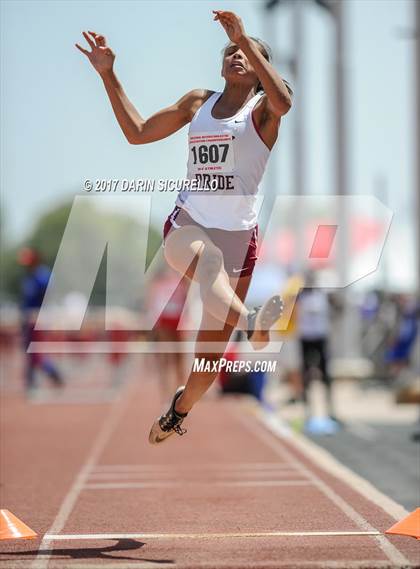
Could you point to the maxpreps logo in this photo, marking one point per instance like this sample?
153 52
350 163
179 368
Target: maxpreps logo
363 229
203 365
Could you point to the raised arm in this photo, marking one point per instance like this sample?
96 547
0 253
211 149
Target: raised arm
277 96
136 129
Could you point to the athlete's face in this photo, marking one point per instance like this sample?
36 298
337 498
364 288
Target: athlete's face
236 67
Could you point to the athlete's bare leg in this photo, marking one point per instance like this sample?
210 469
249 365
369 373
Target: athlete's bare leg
191 252
169 365
198 383
178 359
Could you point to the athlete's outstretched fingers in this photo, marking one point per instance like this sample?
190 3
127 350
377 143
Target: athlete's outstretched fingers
82 49
220 14
226 24
88 39
99 38
94 36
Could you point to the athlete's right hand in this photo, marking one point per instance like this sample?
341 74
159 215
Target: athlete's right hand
101 57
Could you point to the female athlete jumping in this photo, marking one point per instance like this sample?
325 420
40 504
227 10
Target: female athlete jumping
211 235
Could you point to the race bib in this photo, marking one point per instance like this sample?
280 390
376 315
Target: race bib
211 153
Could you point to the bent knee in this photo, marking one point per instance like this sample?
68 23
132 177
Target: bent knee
210 264
183 260
185 267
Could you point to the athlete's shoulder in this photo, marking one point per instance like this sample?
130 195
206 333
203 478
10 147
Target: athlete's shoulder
194 99
199 94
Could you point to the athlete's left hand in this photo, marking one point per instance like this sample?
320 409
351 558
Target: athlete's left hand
232 25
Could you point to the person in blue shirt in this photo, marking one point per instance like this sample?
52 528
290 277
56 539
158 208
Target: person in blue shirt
33 287
402 342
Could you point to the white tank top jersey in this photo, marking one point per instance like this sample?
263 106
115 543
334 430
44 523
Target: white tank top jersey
226 162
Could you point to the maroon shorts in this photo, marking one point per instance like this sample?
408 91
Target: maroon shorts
239 248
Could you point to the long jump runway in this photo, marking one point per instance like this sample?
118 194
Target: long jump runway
229 494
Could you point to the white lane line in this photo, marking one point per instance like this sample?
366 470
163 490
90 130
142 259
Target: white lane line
202 466
115 476
268 564
139 485
368 563
112 536
115 565
72 495
391 552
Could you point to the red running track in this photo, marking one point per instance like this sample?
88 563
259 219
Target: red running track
229 494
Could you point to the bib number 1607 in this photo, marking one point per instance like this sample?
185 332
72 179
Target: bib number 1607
213 153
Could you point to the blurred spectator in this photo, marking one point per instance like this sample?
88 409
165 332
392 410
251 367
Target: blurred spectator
403 338
389 331
33 287
379 315
313 318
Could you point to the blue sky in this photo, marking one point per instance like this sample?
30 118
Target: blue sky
58 128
